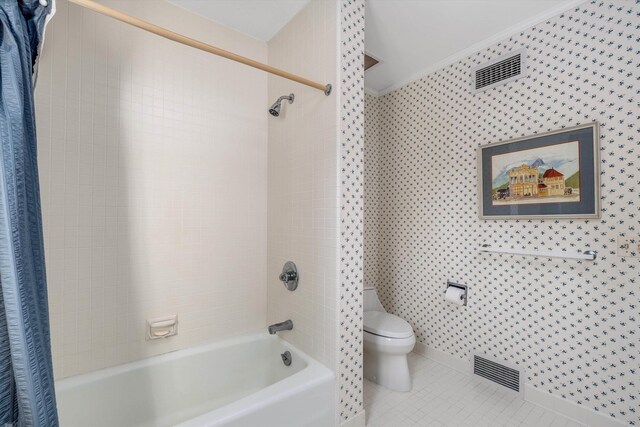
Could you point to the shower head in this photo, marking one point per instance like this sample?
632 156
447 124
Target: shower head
274 110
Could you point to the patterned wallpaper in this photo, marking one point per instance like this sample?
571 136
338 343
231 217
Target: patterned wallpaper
572 325
351 208
372 188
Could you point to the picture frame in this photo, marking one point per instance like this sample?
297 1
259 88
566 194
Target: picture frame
552 175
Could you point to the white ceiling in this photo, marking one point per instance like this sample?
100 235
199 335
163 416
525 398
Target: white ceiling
411 38
414 37
261 19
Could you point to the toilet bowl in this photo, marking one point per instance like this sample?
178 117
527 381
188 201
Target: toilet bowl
387 341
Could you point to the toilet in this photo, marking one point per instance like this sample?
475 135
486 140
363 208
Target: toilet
387 341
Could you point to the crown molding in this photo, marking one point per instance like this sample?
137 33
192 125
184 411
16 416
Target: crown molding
371 91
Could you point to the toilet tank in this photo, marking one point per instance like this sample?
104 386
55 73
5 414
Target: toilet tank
371 301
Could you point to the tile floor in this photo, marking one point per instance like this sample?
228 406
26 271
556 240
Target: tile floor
445 397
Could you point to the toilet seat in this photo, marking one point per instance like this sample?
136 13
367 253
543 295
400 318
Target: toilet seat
386 325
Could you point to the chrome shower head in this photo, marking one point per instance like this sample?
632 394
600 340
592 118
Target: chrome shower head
274 110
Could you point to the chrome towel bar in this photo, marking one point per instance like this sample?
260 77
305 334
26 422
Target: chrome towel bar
588 254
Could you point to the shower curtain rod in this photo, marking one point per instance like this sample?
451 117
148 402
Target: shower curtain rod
176 37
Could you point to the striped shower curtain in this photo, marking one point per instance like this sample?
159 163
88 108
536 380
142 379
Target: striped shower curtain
27 396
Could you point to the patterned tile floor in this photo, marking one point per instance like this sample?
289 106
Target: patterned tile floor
445 397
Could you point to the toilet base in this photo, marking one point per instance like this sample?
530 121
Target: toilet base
388 370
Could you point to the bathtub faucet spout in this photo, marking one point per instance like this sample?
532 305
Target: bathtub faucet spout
287 325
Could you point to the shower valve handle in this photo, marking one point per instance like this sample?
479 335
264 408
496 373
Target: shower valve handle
289 276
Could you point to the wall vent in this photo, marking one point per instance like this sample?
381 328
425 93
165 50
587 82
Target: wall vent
498 372
499 71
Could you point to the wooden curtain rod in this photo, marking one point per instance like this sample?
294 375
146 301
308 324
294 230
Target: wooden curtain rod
168 34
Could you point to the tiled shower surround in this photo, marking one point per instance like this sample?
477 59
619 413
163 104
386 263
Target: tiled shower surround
572 325
315 192
303 183
153 165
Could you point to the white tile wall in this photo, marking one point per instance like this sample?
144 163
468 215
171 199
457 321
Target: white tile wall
303 182
153 163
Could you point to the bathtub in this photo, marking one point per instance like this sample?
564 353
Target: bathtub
240 382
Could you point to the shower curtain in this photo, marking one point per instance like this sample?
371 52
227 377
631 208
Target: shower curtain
27 396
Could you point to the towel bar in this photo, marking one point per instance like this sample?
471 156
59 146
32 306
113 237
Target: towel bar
588 255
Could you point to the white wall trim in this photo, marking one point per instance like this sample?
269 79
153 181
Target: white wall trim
452 362
371 91
532 394
569 409
488 42
357 421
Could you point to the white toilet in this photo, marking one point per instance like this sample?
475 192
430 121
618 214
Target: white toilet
387 341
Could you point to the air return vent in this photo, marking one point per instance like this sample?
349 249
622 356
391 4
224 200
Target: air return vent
499 71
497 372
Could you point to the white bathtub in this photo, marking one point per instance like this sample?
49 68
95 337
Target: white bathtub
241 382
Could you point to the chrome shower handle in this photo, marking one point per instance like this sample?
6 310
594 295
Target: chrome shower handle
289 276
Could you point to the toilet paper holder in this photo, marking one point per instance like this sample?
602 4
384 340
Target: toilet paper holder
463 287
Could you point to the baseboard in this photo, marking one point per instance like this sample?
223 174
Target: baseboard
448 360
532 394
357 421
569 409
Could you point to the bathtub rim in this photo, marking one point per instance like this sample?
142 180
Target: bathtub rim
81 379
314 374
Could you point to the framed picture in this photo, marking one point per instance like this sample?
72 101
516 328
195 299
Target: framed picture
550 175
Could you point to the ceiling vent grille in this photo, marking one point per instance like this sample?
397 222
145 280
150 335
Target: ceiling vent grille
499 71
497 372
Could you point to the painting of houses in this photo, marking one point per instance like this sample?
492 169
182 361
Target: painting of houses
523 181
553 180
550 174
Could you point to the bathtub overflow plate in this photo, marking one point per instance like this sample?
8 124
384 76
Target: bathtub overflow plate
286 358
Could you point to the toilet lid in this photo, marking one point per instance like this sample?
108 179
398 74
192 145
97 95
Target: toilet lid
386 325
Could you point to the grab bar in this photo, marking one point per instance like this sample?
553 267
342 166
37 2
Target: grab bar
588 255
